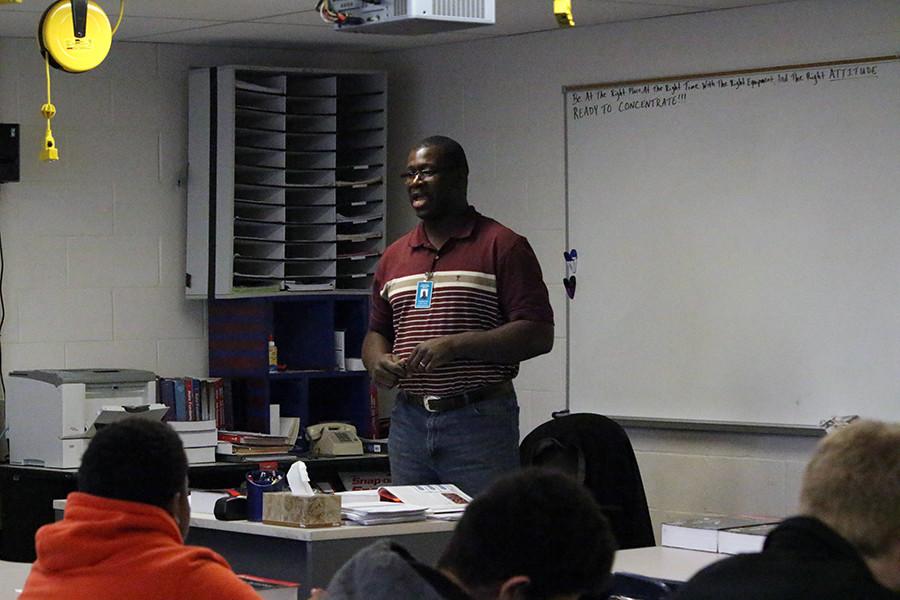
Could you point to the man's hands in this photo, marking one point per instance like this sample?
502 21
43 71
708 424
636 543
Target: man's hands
387 370
509 343
384 367
431 354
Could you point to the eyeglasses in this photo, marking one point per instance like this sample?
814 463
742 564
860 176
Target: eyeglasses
426 173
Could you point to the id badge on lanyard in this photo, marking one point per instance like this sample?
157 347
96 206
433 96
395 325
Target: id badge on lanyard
424 290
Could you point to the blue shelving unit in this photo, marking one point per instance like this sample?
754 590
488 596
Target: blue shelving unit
309 384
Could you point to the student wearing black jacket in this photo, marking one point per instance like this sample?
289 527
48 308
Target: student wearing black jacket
846 543
533 535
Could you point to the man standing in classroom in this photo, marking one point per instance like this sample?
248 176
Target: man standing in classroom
457 303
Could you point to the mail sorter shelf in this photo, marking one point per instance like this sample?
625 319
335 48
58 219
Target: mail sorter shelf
286 187
314 334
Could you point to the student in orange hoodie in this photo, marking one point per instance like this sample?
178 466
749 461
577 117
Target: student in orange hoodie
123 531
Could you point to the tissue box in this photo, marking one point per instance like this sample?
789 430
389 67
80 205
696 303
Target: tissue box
284 508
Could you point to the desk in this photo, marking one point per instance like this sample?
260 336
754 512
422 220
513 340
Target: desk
660 562
667 563
12 578
27 493
308 556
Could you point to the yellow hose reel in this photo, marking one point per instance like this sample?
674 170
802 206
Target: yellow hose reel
75 35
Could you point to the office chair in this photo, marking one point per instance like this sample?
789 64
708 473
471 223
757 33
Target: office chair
596 451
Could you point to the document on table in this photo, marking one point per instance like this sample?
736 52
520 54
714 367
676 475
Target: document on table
377 513
439 498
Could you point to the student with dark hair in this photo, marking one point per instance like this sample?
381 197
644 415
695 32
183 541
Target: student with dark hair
123 532
532 535
845 545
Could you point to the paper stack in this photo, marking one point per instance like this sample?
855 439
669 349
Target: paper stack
379 513
366 508
443 500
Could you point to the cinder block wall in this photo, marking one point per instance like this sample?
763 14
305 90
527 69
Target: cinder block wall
94 243
502 100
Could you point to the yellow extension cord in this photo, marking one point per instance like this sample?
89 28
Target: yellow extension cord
50 152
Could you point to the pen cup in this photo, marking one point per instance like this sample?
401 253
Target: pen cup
259 483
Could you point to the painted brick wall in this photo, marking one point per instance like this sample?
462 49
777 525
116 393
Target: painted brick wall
502 99
94 243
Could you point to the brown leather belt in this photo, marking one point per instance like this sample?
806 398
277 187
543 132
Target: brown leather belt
436 404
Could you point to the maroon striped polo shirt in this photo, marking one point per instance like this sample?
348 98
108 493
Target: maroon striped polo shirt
485 275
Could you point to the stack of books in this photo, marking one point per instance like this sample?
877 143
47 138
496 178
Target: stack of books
727 535
196 399
740 540
248 446
199 439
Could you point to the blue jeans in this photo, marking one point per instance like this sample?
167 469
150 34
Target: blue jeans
469 446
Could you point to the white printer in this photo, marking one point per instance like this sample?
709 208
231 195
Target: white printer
52 414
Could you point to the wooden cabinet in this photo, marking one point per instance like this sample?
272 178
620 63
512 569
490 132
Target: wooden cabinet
286 180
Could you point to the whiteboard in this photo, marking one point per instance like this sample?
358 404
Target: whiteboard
738 244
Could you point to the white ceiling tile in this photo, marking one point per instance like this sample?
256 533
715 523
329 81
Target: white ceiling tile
219 10
135 29
306 17
296 24
271 35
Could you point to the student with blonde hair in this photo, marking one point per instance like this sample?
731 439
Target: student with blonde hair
845 544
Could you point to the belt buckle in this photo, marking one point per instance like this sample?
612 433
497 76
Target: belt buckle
426 402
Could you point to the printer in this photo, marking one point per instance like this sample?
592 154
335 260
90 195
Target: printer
52 414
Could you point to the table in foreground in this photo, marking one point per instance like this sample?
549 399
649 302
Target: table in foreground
312 556
307 556
12 578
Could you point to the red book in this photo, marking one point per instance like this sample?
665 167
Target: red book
189 398
266 583
250 438
219 402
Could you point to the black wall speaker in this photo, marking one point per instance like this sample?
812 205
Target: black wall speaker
9 152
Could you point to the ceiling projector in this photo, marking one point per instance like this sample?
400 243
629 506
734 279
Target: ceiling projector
413 17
